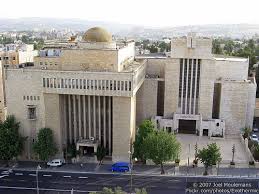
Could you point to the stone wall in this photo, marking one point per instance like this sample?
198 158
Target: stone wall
147 100
23 89
172 71
233 106
207 77
238 69
202 48
123 126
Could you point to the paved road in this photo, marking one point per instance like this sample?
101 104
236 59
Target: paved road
24 182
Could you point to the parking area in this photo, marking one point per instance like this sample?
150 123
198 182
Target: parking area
188 142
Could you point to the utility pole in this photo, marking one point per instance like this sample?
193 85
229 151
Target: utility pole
131 167
37 181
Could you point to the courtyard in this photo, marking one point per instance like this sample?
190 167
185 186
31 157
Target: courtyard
188 142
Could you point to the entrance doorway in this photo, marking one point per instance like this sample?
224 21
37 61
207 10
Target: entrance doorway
205 132
88 150
187 126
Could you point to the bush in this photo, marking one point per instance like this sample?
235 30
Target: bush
252 144
251 163
71 150
232 163
256 152
177 161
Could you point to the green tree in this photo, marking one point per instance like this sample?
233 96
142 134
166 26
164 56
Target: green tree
71 150
100 154
229 46
161 147
145 128
246 132
118 190
11 142
153 49
45 146
209 156
216 49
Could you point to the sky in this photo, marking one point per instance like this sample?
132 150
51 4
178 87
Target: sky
159 13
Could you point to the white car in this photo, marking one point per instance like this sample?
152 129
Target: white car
255 129
55 163
254 137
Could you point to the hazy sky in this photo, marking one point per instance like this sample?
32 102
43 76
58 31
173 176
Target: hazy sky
143 12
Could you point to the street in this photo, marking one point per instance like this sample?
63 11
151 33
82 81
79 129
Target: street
21 181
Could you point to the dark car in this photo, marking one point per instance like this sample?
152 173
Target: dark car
121 167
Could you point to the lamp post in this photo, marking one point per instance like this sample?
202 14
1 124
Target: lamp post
131 167
37 181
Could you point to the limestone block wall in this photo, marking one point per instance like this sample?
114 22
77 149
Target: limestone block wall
124 113
207 77
85 59
172 71
126 55
156 67
233 106
236 70
251 91
146 97
201 50
23 89
52 117
50 63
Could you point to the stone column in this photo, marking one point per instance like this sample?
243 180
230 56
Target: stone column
84 115
99 115
79 117
109 123
74 117
69 118
89 117
104 121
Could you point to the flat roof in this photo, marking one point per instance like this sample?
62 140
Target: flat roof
151 56
229 58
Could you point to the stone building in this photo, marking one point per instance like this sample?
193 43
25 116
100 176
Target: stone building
14 55
96 91
194 91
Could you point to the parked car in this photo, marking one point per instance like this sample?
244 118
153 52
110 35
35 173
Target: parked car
55 163
254 137
255 129
121 167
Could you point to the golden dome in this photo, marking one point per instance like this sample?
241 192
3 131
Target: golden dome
97 34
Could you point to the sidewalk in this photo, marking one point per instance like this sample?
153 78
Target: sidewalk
143 169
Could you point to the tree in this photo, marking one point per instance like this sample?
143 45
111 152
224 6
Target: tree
145 128
71 150
153 49
118 190
209 156
216 49
246 132
11 142
100 154
161 147
45 146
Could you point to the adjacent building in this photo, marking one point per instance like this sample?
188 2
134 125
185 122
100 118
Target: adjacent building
96 91
15 55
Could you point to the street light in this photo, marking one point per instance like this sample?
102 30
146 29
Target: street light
37 181
131 166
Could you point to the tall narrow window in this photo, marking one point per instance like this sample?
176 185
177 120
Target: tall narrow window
31 112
